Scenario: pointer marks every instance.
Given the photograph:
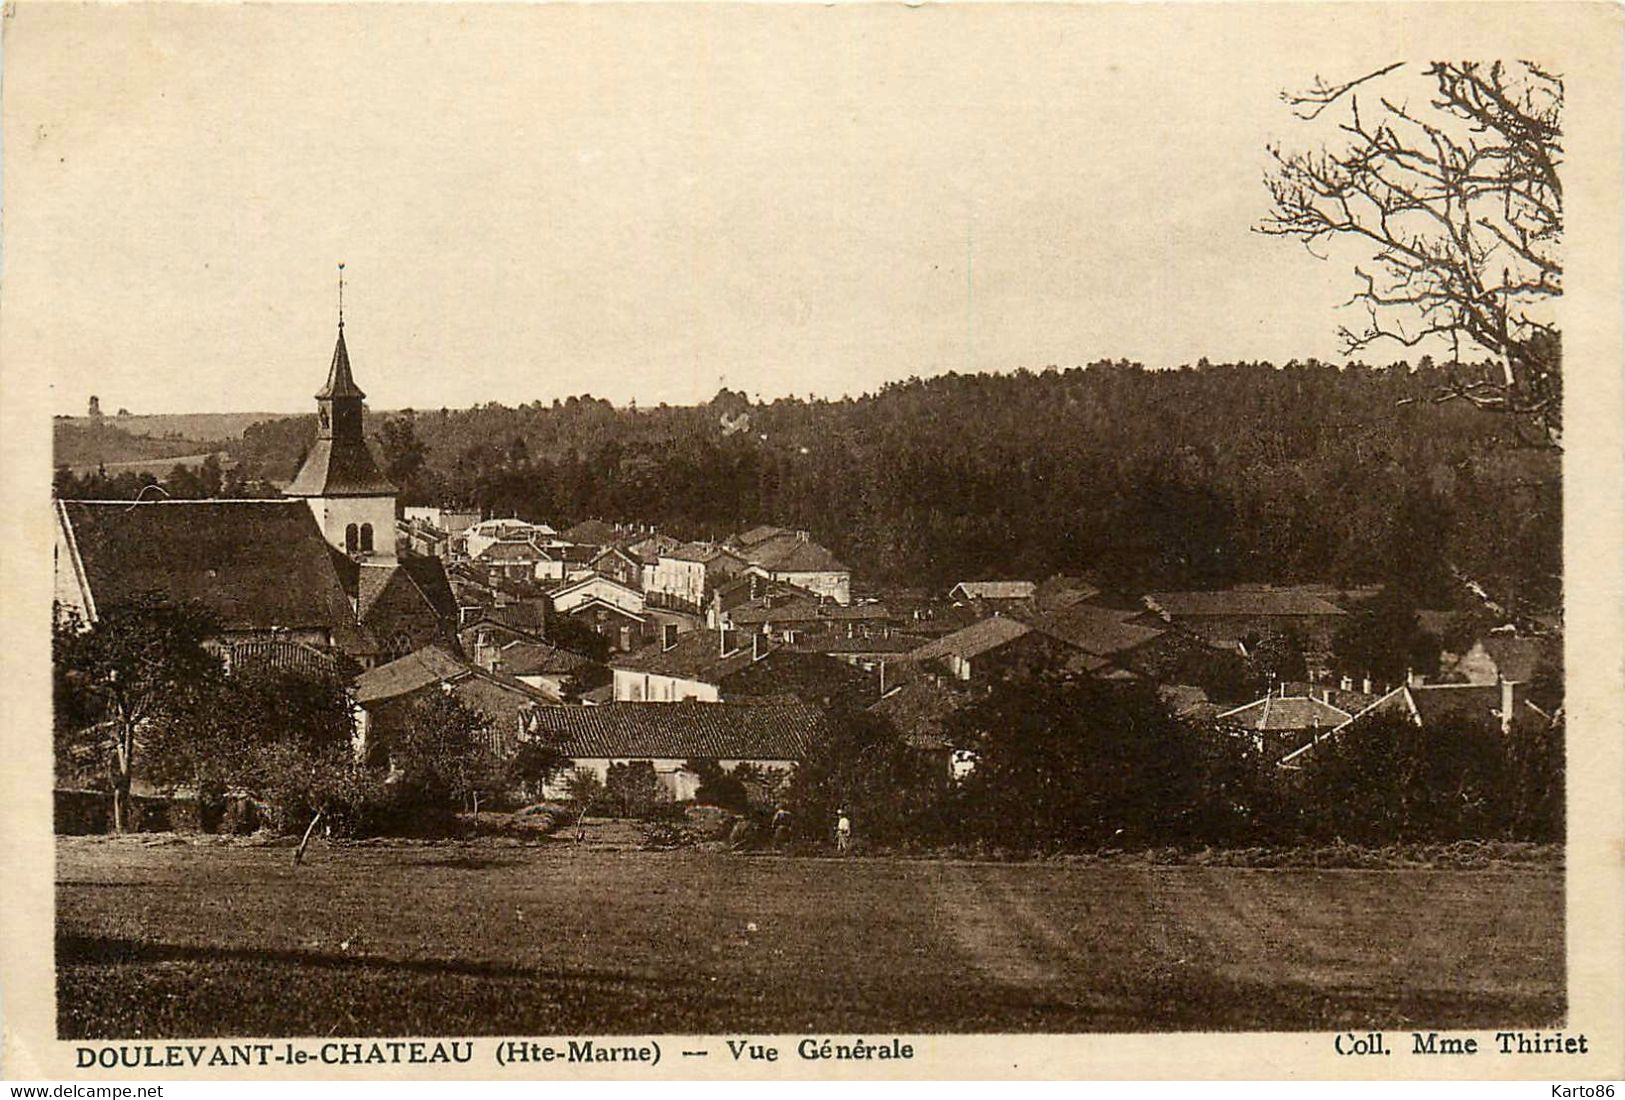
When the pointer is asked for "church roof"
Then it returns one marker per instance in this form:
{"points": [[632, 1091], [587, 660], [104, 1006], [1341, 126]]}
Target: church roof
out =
{"points": [[340, 468], [340, 383], [255, 565]]}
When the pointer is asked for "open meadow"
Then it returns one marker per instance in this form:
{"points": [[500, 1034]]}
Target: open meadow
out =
{"points": [[161, 937]]}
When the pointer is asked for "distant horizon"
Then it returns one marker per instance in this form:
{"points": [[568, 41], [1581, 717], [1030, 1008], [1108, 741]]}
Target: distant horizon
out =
{"points": [[648, 203], [110, 409]]}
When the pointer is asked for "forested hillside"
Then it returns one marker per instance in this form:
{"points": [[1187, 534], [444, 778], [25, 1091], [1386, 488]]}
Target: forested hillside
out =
{"points": [[1201, 476]]}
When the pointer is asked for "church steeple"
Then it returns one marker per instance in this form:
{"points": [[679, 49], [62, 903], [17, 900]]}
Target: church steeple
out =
{"points": [[338, 404], [339, 466]]}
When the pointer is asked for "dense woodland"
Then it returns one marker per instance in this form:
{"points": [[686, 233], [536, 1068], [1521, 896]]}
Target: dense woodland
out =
{"points": [[1204, 476]]}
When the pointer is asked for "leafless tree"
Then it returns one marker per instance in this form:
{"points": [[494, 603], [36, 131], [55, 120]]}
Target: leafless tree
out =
{"points": [[1459, 199]]}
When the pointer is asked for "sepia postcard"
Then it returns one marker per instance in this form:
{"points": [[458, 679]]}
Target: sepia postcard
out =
{"points": [[687, 541]]}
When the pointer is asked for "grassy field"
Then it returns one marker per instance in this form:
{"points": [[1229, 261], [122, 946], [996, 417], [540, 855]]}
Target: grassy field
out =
{"points": [[186, 939]]}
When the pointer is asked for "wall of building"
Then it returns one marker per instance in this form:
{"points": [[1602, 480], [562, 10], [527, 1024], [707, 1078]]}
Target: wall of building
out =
{"points": [[680, 578], [69, 590], [831, 585], [645, 687], [678, 783], [624, 598], [335, 514]]}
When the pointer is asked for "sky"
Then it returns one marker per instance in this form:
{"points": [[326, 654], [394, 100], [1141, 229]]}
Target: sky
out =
{"points": [[647, 203]]}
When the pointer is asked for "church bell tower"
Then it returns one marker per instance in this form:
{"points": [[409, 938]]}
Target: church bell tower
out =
{"points": [[353, 502]]}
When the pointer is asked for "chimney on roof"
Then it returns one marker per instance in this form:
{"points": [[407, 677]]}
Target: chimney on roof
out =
{"points": [[1365, 685], [802, 536], [668, 636], [1509, 703], [1346, 683], [758, 646]]}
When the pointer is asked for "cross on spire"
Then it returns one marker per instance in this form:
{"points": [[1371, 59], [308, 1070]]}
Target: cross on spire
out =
{"points": [[341, 295]]}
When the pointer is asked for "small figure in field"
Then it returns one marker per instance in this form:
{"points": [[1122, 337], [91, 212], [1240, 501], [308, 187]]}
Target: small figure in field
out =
{"points": [[781, 827], [843, 832]]}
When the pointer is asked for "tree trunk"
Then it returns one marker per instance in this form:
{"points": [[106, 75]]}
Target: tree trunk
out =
{"points": [[304, 842], [121, 803]]}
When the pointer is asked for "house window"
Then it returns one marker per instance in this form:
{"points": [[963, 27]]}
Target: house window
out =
{"points": [[350, 539], [366, 538]]}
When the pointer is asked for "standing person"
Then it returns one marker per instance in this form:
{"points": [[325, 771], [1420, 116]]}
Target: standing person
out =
{"points": [[781, 827], [843, 832]]}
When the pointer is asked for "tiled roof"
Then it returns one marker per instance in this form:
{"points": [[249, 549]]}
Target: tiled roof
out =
{"points": [[793, 555], [596, 581], [697, 655], [255, 565], [737, 590], [613, 552], [1478, 704], [1102, 631], [417, 670], [777, 729], [814, 677], [1432, 704], [526, 617], [1288, 713], [512, 550], [429, 574], [996, 590], [649, 548], [894, 644], [1250, 602], [760, 534], [283, 656], [593, 532], [692, 551], [920, 712], [521, 658], [433, 664], [1061, 591], [799, 610], [977, 638], [856, 612]]}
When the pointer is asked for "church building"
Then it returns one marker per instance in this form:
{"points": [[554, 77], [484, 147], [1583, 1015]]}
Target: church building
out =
{"points": [[317, 568]]}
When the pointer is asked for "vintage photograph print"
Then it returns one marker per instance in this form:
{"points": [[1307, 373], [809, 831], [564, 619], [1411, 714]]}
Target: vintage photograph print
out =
{"points": [[676, 520]]}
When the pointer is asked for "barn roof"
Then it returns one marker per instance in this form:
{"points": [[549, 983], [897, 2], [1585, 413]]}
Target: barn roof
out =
{"points": [[773, 729]]}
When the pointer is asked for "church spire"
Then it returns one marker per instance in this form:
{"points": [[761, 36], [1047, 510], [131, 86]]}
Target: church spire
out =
{"points": [[340, 383]]}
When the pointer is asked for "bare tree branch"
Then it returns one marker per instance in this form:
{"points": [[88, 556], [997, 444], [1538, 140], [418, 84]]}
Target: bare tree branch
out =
{"points": [[1462, 207]]}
